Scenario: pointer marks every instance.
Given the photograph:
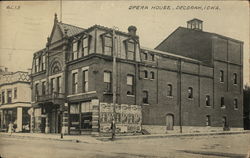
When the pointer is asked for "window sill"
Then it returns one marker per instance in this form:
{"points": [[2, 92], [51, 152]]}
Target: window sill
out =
{"points": [[128, 95], [170, 96], [107, 93], [223, 107], [208, 106], [146, 104], [236, 108]]}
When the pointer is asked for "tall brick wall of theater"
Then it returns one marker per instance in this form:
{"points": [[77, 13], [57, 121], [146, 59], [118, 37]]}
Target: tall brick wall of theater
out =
{"points": [[205, 80]]}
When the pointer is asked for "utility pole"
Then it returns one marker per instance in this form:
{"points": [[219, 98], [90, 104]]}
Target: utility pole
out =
{"points": [[179, 83], [113, 124]]}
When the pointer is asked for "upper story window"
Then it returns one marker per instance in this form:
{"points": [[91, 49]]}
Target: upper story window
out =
{"points": [[222, 102], [131, 51], [169, 90], [36, 64], [208, 120], [59, 84], [221, 76], [3, 97], [107, 81], [36, 89], [235, 103], [190, 92], [85, 46], [43, 87], [43, 62], [152, 57], [207, 100], [152, 75], [15, 93], [53, 85], [235, 78], [145, 73], [85, 77], [108, 45], [74, 82], [145, 55], [75, 49], [145, 97], [130, 84], [9, 96]]}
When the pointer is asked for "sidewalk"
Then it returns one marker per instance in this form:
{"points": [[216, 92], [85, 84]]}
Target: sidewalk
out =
{"points": [[90, 139], [73, 138]]}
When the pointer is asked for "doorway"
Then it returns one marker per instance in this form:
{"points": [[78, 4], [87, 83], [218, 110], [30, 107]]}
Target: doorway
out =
{"points": [[170, 121]]}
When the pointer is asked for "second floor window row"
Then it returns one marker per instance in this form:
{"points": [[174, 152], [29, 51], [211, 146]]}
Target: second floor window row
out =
{"points": [[40, 63], [80, 48]]}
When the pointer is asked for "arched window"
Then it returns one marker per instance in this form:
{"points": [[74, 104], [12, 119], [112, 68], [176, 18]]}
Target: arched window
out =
{"points": [[145, 73], [190, 92], [169, 90], [152, 75], [235, 78]]}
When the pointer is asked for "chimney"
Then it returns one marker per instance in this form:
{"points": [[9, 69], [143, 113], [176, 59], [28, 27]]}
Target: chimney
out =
{"points": [[6, 69], [132, 30], [195, 24]]}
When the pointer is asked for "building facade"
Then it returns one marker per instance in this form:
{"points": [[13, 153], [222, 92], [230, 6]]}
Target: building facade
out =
{"points": [[15, 100], [73, 78]]}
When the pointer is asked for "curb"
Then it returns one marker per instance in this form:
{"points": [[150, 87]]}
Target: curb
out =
{"points": [[172, 135], [44, 138]]}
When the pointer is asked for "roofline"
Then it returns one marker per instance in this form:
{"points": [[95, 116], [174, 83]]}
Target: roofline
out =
{"points": [[215, 34], [169, 54]]}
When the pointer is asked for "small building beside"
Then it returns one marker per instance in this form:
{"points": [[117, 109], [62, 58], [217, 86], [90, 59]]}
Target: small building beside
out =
{"points": [[15, 100]]}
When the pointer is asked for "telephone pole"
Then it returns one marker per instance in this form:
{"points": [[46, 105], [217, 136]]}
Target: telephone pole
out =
{"points": [[113, 124]]}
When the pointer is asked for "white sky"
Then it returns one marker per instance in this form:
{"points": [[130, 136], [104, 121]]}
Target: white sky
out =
{"points": [[24, 31]]}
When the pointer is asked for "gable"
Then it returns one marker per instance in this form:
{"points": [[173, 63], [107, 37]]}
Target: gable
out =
{"points": [[56, 34], [189, 43]]}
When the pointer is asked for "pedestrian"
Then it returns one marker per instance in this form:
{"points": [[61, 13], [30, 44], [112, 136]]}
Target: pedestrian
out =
{"points": [[10, 128], [113, 129]]}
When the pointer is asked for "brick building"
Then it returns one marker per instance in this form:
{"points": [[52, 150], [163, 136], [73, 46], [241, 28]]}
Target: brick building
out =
{"points": [[72, 84], [15, 100]]}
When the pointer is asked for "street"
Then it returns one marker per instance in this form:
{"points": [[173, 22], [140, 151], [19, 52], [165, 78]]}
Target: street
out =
{"points": [[233, 146]]}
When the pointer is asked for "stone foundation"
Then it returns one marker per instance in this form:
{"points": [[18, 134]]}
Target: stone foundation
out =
{"points": [[155, 129]]}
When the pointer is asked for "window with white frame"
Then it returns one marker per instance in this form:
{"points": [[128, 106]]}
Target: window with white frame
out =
{"points": [[130, 84], [59, 84], [107, 81], [85, 45], [75, 50], [131, 50], [43, 62], [9, 96], [108, 45], [85, 77], [43, 87], [74, 82]]}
